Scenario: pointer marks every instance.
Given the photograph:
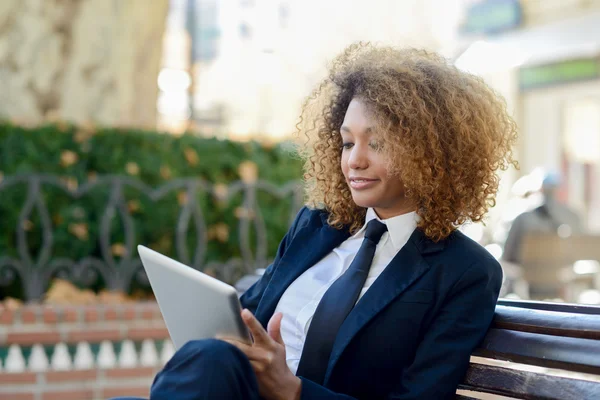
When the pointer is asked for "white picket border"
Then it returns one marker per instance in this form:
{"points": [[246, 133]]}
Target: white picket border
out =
{"points": [[84, 358], [61, 360], [148, 354], [15, 362], [38, 361]]}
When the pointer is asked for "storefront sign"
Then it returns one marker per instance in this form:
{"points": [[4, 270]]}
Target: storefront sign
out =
{"points": [[492, 16], [559, 73]]}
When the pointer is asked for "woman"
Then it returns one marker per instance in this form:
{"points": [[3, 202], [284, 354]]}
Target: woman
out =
{"points": [[374, 293]]}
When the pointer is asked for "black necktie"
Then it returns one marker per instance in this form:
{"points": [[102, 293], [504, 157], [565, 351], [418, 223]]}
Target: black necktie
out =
{"points": [[335, 305]]}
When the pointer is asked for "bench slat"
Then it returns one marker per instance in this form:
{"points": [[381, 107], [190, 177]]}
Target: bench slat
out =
{"points": [[572, 354], [527, 385], [547, 306], [547, 322], [463, 397]]}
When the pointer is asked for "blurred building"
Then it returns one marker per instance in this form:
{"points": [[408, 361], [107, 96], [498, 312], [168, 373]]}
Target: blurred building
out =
{"points": [[267, 55], [544, 57], [248, 65]]}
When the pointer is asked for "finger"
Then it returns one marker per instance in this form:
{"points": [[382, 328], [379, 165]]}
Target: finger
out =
{"points": [[258, 332], [274, 328]]}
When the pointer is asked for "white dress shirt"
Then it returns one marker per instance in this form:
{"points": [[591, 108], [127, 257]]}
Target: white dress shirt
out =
{"points": [[299, 302]]}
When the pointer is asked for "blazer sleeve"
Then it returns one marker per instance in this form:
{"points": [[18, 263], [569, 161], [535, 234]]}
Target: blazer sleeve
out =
{"points": [[442, 357], [252, 296]]}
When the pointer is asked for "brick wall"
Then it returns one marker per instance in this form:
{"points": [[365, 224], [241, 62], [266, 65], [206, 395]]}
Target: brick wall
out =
{"points": [[29, 325], [92, 384], [46, 326]]}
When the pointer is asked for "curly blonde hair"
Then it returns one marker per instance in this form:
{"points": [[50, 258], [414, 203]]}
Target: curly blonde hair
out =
{"points": [[444, 132]]}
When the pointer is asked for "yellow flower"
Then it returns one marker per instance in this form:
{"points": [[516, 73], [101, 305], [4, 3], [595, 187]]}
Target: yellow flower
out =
{"points": [[68, 158], [220, 190], [132, 168], [182, 198], [163, 245], [242, 212], [191, 156], [27, 225], [268, 143], [221, 232], [118, 249], [133, 206], [88, 127], [62, 126], [248, 171], [80, 231], [81, 136], [70, 182], [165, 172]]}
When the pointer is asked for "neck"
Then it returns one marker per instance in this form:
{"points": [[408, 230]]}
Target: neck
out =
{"points": [[384, 213]]}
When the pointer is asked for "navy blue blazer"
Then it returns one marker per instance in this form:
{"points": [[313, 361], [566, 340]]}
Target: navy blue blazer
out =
{"points": [[412, 333]]}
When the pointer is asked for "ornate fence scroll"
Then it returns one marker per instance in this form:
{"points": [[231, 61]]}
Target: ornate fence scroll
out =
{"points": [[37, 265]]}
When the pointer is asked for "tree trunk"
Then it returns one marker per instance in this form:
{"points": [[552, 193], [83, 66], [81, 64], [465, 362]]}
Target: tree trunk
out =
{"points": [[81, 60]]}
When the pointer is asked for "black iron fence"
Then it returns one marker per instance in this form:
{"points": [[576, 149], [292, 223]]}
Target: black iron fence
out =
{"points": [[36, 265]]}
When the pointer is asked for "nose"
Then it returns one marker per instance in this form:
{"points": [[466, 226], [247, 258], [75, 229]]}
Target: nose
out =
{"points": [[358, 157]]}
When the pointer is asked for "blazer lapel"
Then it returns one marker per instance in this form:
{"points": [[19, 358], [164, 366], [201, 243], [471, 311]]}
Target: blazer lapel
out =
{"points": [[404, 269], [308, 246]]}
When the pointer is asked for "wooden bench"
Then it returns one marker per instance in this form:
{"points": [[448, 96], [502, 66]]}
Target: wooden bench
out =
{"points": [[533, 337], [538, 336], [525, 341]]}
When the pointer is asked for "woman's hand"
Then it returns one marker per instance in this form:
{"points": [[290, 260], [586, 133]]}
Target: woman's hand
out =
{"points": [[267, 356]]}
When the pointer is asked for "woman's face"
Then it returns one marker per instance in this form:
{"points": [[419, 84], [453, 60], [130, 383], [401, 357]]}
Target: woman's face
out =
{"points": [[364, 166]]}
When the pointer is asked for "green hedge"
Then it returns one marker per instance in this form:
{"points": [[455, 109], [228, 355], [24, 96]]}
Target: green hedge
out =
{"points": [[78, 154]]}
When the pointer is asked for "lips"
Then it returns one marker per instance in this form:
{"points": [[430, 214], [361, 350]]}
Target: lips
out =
{"points": [[360, 183]]}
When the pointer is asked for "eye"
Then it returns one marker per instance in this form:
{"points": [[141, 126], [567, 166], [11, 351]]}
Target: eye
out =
{"points": [[377, 146], [347, 145]]}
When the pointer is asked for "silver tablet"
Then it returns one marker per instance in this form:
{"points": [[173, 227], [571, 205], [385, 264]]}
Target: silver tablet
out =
{"points": [[193, 304]]}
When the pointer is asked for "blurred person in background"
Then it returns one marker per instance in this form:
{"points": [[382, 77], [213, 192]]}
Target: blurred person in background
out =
{"points": [[551, 217], [374, 293]]}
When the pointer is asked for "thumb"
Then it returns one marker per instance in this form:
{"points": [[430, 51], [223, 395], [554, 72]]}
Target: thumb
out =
{"points": [[274, 328]]}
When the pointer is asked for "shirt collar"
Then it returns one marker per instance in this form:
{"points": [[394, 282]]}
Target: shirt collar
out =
{"points": [[399, 227]]}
